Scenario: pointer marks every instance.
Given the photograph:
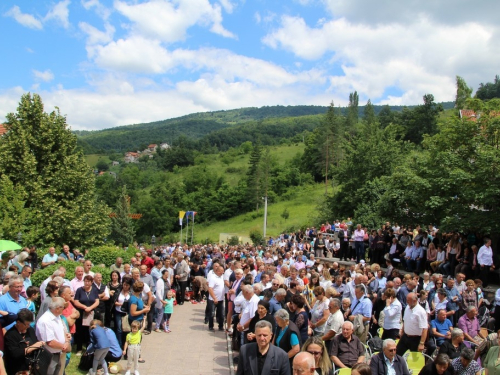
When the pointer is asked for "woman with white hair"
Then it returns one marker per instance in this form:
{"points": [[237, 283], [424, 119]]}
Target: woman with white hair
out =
{"points": [[287, 335], [454, 347]]}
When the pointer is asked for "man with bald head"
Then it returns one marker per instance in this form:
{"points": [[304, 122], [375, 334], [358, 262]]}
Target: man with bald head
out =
{"points": [[304, 364], [414, 331]]}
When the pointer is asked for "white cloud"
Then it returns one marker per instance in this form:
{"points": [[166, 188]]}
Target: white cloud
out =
{"points": [[420, 58], [45, 76], [96, 36], [449, 12], [227, 5], [135, 54], [24, 19], [100, 9], [59, 13], [168, 21], [140, 55], [257, 17]]}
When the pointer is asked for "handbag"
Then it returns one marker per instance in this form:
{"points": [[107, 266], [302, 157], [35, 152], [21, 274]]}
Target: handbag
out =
{"points": [[39, 360], [87, 318], [125, 324], [86, 361]]}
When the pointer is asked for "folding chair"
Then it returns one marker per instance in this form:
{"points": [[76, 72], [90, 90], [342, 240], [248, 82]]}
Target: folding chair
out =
{"points": [[368, 353], [380, 332], [343, 371], [415, 361]]}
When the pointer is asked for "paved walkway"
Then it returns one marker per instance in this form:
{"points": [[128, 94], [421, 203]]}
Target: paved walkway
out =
{"points": [[190, 349]]}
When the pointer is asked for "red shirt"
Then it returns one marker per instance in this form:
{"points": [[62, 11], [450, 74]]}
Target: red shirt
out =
{"points": [[67, 312], [149, 262]]}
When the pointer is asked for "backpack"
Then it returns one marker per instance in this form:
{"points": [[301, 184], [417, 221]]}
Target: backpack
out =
{"points": [[375, 344]]}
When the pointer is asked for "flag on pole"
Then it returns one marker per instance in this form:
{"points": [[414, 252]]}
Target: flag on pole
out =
{"points": [[191, 213], [181, 217]]}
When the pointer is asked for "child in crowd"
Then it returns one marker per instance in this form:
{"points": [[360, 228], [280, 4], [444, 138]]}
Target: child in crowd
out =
{"points": [[99, 345], [32, 293], [168, 311], [132, 346]]}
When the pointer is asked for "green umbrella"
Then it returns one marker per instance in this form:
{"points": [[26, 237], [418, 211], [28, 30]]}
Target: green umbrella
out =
{"points": [[6, 245]]}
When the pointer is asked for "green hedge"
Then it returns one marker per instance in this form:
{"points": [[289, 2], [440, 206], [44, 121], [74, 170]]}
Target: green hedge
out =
{"points": [[99, 255], [107, 255], [40, 275]]}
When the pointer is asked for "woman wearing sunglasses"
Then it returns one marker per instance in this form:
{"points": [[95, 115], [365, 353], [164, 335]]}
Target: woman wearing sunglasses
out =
{"points": [[315, 346]]}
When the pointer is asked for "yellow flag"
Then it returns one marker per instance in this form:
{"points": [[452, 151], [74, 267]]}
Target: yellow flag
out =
{"points": [[181, 216]]}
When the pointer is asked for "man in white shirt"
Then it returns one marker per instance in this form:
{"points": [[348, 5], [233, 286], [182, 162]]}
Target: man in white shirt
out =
{"points": [[50, 330], [334, 322], [249, 310], [485, 260], [86, 268], [415, 326], [216, 299]]}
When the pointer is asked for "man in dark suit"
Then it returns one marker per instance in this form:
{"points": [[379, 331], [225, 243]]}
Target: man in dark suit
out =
{"points": [[262, 358], [378, 363], [344, 236]]}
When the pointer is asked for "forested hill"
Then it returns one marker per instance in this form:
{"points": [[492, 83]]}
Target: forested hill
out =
{"points": [[221, 129]]}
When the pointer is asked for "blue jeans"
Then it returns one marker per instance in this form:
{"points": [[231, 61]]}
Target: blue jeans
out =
{"points": [[118, 328], [360, 250], [412, 263]]}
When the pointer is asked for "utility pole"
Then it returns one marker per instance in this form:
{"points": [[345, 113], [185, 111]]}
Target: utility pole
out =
{"points": [[326, 167], [265, 215]]}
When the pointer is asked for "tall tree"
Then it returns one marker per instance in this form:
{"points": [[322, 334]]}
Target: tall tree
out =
{"points": [[352, 111], [122, 228], [421, 120], [463, 93], [454, 182], [369, 113], [489, 90], [39, 154], [254, 177]]}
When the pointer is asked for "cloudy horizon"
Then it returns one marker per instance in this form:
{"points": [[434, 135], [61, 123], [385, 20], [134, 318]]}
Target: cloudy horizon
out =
{"points": [[107, 64]]}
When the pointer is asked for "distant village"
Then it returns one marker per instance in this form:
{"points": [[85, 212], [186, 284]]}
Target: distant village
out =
{"points": [[133, 157]]}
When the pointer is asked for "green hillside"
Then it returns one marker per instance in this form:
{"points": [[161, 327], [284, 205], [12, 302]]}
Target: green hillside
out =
{"points": [[220, 129], [302, 209]]}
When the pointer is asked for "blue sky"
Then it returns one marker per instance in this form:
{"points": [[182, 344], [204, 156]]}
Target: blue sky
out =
{"points": [[110, 63]]}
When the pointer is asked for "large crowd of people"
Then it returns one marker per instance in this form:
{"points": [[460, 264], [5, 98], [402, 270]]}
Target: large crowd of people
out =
{"points": [[286, 310]]}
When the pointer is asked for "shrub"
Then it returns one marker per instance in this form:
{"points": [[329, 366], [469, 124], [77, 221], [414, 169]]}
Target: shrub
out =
{"points": [[233, 241], [39, 276], [107, 255], [256, 237]]}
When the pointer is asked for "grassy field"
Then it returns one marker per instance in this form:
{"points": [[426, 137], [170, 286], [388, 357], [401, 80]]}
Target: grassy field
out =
{"points": [[219, 163], [302, 209], [92, 159]]}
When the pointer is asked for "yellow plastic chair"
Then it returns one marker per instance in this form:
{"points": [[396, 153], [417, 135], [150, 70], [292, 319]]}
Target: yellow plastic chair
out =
{"points": [[380, 332], [343, 371], [416, 361]]}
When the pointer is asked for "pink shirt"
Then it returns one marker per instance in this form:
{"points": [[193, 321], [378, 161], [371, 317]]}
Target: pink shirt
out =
{"points": [[75, 284]]}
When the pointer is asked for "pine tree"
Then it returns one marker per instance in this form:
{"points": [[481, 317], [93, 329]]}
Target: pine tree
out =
{"points": [[352, 111], [254, 177], [39, 155], [122, 229]]}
